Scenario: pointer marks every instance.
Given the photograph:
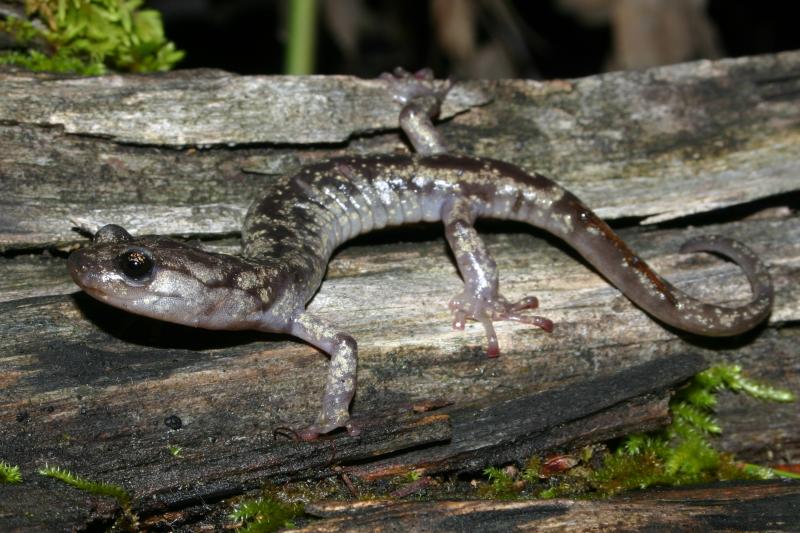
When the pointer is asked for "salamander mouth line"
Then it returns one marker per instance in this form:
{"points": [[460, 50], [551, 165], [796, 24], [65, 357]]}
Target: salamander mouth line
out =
{"points": [[96, 293]]}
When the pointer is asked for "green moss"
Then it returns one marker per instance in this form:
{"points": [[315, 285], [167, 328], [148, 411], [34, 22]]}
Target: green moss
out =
{"points": [[683, 453], [91, 36], [413, 475], [680, 454], [532, 470], [730, 377], [61, 61], [501, 484], [9, 474], [175, 450], [265, 514], [21, 31], [128, 520]]}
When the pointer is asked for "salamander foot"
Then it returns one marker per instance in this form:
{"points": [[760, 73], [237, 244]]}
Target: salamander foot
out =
{"points": [[466, 306], [406, 86], [314, 431], [422, 97]]}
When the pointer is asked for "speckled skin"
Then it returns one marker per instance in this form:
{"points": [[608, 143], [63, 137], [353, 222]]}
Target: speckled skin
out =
{"points": [[291, 232]]}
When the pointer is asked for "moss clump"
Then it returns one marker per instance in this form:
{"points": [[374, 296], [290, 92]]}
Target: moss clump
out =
{"points": [[680, 454], [9, 474], [502, 483], [90, 37], [264, 515]]}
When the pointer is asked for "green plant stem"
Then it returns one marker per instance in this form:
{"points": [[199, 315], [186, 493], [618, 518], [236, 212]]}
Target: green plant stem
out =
{"points": [[302, 37], [128, 520]]}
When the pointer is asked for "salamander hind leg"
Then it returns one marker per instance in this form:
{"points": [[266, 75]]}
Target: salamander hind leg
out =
{"points": [[341, 381], [481, 300]]}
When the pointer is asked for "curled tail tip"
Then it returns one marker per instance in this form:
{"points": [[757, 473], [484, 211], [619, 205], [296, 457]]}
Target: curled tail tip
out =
{"points": [[717, 243], [736, 251], [753, 267]]}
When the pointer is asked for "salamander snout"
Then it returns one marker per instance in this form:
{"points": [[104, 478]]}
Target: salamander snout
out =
{"points": [[87, 273], [78, 266]]}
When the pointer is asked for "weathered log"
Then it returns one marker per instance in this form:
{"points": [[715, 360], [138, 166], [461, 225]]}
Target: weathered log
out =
{"points": [[668, 142], [211, 107], [765, 506], [90, 388], [454, 439], [510, 430]]}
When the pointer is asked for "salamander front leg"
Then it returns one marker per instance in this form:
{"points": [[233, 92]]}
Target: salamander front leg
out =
{"points": [[422, 97], [480, 300], [341, 383]]}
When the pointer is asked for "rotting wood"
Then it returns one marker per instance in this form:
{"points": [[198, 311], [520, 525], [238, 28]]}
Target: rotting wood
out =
{"points": [[89, 388], [479, 435], [511, 429], [668, 142], [74, 365], [130, 384], [762, 506], [211, 107]]}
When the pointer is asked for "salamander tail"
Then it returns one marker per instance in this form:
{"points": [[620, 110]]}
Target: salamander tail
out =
{"points": [[726, 321]]}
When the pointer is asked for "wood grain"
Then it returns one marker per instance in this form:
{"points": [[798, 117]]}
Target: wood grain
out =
{"points": [[766, 506], [665, 142], [90, 388]]}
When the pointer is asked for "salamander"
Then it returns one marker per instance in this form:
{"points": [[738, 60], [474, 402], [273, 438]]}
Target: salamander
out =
{"points": [[291, 231]]}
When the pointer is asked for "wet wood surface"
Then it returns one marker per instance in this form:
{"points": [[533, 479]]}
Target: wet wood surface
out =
{"points": [[105, 393]]}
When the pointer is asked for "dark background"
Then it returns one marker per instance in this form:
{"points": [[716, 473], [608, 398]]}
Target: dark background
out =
{"points": [[538, 38]]}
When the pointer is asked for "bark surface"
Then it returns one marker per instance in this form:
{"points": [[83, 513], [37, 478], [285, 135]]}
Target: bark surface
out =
{"points": [[705, 147]]}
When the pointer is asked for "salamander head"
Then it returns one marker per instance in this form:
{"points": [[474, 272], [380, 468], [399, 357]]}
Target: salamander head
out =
{"points": [[169, 280]]}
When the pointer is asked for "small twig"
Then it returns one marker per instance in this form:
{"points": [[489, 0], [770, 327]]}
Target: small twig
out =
{"points": [[347, 481], [411, 488]]}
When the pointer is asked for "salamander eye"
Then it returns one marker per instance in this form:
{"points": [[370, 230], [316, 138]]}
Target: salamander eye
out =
{"points": [[136, 265]]}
